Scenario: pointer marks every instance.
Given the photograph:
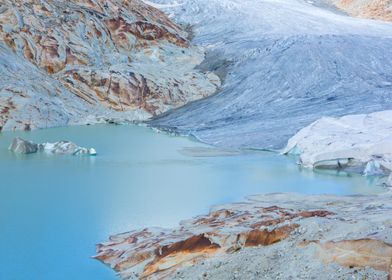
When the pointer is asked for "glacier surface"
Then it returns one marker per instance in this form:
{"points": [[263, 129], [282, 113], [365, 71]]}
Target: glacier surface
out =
{"points": [[285, 64]]}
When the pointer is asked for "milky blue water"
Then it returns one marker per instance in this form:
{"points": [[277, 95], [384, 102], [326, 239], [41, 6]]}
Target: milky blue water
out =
{"points": [[54, 209]]}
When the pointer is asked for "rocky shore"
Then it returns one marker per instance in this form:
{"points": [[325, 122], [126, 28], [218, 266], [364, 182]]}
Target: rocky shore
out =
{"points": [[276, 236]]}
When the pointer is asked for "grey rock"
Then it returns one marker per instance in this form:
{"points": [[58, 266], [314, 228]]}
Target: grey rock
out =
{"points": [[21, 146]]}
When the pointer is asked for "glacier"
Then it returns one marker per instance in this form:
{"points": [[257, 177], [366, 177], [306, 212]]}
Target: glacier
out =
{"points": [[284, 63]]}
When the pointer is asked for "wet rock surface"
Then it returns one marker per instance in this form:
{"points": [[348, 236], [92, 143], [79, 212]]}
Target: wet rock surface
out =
{"points": [[64, 61], [304, 237]]}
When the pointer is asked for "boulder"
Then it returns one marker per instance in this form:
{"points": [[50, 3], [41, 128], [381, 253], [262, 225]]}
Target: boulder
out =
{"points": [[22, 146]]}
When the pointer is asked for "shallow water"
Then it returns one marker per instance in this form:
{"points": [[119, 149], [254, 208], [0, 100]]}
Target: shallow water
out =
{"points": [[54, 209]]}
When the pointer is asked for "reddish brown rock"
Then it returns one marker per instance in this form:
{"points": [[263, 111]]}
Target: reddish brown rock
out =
{"points": [[119, 58], [357, 253], [373, 9], [157, 253]]}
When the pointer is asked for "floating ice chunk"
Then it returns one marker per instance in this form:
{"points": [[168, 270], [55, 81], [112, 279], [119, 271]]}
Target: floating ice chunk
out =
{"points": [[92, 152], [19, 145], [373, 168]]}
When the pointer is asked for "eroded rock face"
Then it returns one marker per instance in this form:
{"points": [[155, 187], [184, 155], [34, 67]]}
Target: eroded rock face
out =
{"points": [[157, 253], [305, 237], [115, 56], [374, 9]]}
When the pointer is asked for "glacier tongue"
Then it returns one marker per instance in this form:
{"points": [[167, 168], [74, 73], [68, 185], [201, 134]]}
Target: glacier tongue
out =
{"points": [[363, 142], [286, 64]]}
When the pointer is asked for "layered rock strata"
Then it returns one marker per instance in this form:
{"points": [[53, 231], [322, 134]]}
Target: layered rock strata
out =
{"points": [[64, 61], [320, 233]]}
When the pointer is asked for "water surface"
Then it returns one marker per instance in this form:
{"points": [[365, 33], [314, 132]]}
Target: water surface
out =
{"points": [[54, 209]]}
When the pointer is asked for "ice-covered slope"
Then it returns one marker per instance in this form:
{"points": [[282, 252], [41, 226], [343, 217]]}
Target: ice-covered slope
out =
{"points": [[287, 62]]}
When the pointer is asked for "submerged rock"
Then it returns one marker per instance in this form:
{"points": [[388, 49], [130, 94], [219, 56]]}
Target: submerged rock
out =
{"points": [[360, 142], [22, 146]]}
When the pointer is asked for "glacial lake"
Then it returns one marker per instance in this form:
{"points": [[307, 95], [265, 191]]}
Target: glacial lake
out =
{"points": [[54, 209]]}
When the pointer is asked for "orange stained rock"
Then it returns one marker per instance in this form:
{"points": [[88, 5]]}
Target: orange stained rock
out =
{"points": [[377, 9], [161, 252], [358, 253]]}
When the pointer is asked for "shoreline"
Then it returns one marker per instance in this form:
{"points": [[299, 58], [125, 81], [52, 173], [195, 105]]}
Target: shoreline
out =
{"points": [[338, 236]]}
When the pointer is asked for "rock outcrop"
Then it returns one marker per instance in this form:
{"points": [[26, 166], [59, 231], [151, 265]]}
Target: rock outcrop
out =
{"points": [[361, 143], [161, 252], [68, 60], [373, 9], [21, 146], [326, 237]]}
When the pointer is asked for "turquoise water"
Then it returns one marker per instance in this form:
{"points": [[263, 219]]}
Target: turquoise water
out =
{"points": [[54, 209]]}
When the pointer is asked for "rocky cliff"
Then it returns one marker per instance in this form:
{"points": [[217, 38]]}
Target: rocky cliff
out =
{"points": [[74, 61]]}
